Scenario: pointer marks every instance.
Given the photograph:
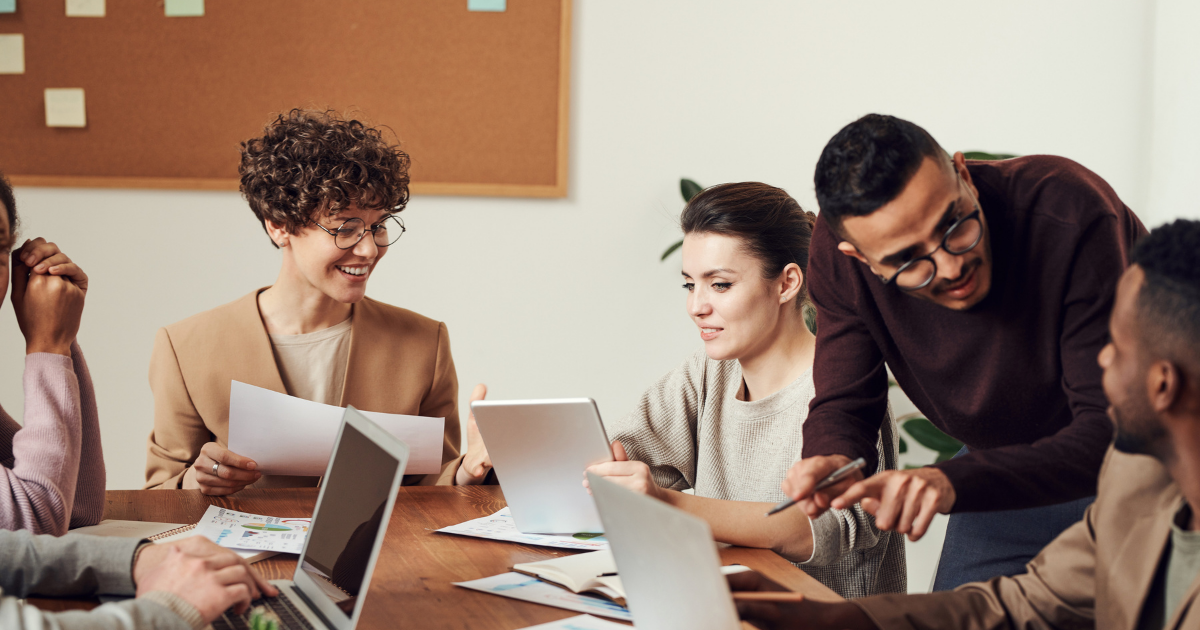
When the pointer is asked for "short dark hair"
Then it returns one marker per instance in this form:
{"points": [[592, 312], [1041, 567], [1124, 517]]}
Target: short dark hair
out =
{"points": [[868, 163], [773, 226], [1169, 300], [316, 161], [10, 204]]}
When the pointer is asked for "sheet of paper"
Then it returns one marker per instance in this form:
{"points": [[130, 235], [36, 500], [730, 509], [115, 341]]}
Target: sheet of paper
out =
{"points": [[253, 532], [286, 435], [530, 589], [12, 54], [85, 8], [582, 622], [8, 6], [184, 8], [126, 529], [65, 108], [486, 5], [500, 526]]}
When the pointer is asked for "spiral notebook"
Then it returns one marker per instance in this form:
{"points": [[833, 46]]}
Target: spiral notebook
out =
{"points": [[158, 533]]}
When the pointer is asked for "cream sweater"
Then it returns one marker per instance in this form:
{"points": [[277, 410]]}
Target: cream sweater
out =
{"points": [[694, 433]]}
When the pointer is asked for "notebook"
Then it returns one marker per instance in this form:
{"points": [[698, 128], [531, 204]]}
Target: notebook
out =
{"points": [[593, 572]]}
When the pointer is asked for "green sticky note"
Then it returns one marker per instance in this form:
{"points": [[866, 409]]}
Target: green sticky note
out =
{"points": [[184, 8], [8, 6], [486, 5]]}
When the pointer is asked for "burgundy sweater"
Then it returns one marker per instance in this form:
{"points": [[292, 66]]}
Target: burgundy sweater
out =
{"points": [[1015, 377]]}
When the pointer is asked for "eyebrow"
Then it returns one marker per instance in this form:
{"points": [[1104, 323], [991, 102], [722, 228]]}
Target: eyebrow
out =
{"points": [[896, 259], [711, 272]]}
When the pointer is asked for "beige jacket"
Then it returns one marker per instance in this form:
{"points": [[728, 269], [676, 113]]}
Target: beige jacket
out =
{"points": [[399, 363], [1097, 574]]}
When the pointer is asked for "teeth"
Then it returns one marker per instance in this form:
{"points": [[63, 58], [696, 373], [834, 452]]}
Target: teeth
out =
{"points": [[709, 330], [354, 271]]}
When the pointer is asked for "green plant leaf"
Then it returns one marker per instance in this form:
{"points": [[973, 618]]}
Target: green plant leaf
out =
{"points": [[671, 250], [689, 189], [903, 446], [984, 155], [932, 438]]}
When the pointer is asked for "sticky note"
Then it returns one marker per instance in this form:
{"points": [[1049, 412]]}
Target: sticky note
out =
{"points": [[184, 8], [85, 8], [486, 5], [12, 54], [64, 107], [8, 6]]}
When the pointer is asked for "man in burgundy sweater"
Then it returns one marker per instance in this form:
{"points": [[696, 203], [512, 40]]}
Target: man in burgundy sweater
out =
{"points": [[986, 288]]}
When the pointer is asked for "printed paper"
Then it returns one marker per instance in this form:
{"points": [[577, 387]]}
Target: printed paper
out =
{"points": [[530, 589], [582, 622], [253, 532], [501, 526]]}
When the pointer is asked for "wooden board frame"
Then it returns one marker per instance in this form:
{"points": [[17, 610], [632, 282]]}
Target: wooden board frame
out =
{"points": [[558, 189]]}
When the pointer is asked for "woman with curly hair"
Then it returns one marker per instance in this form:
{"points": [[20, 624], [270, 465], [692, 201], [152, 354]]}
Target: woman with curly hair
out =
{"points": [[327, 192]]}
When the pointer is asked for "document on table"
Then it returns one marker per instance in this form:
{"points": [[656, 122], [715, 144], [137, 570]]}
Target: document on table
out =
{"points": [[582, 622], [252, 532], [523, 587], [286, 435], [500, 526]]}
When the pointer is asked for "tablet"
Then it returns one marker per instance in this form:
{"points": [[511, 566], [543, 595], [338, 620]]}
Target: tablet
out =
{"points": [[540, 449]]}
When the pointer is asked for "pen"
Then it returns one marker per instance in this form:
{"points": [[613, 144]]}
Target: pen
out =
{"points": [[609, 574], [833, 478]]}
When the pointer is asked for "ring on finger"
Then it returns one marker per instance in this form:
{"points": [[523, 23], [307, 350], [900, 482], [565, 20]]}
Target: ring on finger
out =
{"points": [[216, 466]]}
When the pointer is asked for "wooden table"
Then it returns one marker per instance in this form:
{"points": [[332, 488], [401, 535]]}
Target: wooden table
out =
{"points": [[412, 585]]}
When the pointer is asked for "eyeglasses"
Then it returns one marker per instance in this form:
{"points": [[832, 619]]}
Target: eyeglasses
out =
{"points": [[352, 230], [961, 237]]}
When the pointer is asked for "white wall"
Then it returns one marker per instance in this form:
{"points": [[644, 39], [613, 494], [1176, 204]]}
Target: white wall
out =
{"points": [[567, 297]]}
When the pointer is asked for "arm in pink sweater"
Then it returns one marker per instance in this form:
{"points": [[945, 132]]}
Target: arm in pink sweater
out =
{"points": [[90, 485]]}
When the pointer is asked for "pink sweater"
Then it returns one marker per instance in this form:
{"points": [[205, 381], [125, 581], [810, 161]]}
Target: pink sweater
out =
{"points": [[52, 470]]}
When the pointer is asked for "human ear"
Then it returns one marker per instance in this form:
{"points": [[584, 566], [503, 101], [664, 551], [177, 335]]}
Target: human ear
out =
{"points": [[792, 279], [848, 248], [1163, 385], [959, 163], [277, 232]]}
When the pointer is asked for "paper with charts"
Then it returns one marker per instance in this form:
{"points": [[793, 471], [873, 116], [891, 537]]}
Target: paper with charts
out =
{"points": [[239, 530], [582, 622], [531, 589], [500, 526], [286, 435]]}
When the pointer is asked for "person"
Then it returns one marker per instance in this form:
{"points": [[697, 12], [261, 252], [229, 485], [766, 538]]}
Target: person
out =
{"points": [[327, 191], [52, 469], [182, 585], [1132, 562], [727, 422], [985, 287]]}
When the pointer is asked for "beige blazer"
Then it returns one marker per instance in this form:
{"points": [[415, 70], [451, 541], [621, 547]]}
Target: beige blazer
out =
{"points": [[1096, 574], [399, 363]]}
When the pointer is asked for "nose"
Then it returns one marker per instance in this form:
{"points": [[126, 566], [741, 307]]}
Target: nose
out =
{"points": [[697, 302], [1106, 355], [949, 266], [366, 246]]}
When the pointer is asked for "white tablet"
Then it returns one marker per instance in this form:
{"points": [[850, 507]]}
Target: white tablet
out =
{"points": [[540, 449]]}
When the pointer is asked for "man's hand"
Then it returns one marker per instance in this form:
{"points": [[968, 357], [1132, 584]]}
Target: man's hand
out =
{"points": [[804, 476], [631, 475], [209, 577], [476, 462], [803, 613], [48, 295], [234, 472], [902, 500]]}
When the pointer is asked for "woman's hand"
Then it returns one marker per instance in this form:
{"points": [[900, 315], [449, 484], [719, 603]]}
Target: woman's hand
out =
{"points": [[233, 472], [48, 295], [476, 462], [631, 475]]}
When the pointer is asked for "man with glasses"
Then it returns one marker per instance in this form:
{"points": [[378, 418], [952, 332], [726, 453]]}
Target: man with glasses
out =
{"points": [[986, 288]]}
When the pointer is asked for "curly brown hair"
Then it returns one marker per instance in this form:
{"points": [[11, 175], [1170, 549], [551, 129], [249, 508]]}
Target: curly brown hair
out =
{"points": [[309, 162]]}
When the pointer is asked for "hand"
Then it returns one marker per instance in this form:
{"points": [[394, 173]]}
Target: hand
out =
{"points": [[210, 578], [631, 475], [804, 476], [902, 500], [48, 295], [476, 462], [234, 472], [802, 613]]}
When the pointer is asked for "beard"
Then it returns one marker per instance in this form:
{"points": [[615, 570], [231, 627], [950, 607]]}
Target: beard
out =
{"points": [[1137, 434]]}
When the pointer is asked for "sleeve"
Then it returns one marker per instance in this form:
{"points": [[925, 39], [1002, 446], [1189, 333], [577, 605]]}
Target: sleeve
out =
{"points": [[179, 432], [661, 431], [88, 508], [37, 491], [848, 370], [136, 614], [442, 402]]}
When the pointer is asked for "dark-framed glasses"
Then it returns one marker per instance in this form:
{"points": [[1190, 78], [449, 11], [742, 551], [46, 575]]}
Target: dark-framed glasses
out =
{"points": [[352, 230], [961, 237]]}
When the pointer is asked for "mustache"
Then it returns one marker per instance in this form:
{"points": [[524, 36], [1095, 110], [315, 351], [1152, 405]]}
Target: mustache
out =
{"points": [[941, 287]]}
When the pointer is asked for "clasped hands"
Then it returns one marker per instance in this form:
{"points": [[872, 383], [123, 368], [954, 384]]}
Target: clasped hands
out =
{"points": [[48, 292]]}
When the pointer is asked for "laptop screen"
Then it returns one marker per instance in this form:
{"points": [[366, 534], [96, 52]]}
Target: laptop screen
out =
{"points": [[347, 521]]}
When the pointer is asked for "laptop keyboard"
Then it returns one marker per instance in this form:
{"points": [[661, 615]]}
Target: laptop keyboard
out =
{"points": [[290, 618]]}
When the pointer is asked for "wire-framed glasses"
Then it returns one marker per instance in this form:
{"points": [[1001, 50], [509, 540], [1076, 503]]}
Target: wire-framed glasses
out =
{"points": [[961, 237], [352, 230]]}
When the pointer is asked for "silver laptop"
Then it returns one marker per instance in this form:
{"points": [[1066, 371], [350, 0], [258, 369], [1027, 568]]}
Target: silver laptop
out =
{"points": [[349, 522], [667, 561], [540, 449]]}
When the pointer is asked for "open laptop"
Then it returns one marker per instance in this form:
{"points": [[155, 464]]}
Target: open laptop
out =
{"points": [[539, 449], [351, 516], [667, 561]]}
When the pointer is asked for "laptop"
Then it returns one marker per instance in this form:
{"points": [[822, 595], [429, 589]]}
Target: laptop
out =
{"points": [[349, 522], [539, 449], [667, 561]]}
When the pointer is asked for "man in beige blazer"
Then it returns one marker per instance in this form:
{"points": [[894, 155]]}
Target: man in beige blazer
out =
{"points": [[1132, 562]]}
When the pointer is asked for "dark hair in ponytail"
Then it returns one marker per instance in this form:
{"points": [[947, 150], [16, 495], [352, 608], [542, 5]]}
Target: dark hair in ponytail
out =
{"points": [[10, 204], [774, 227]]}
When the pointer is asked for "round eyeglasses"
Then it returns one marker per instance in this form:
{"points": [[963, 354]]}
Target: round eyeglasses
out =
{"points": [[961, 237], [352, 230]]}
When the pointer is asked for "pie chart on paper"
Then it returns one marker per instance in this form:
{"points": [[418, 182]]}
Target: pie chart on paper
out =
{"points": [[267, 527]]}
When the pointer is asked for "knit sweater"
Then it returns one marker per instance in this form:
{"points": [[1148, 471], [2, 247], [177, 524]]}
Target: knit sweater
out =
{"points": [[52, 470], [693, 432]]}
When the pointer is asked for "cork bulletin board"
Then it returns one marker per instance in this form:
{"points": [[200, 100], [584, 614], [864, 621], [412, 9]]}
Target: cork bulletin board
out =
{"points": [[478, 99]]}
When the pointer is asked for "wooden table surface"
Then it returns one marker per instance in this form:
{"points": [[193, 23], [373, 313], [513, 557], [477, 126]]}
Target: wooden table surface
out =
{"points": [[413, 578]]}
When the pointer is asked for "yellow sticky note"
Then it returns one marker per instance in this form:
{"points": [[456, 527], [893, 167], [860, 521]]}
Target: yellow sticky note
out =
{"points": [[64, 107], [85, 8], [12, 54], [184, 8]]}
